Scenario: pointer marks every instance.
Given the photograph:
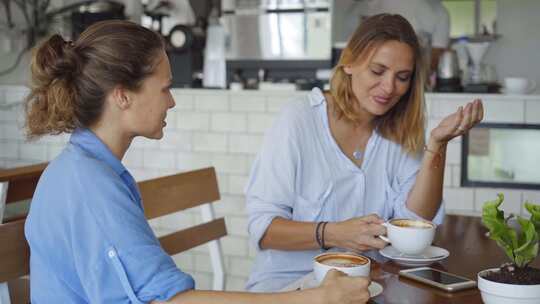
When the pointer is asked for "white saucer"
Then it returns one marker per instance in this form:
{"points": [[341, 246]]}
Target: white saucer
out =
{"points": [[309, 281], [431, 255]]}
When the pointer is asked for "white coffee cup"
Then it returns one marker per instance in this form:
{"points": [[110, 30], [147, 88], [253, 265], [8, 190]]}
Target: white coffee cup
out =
{"points": [[518, 85], [409, 236], [348, 262]]}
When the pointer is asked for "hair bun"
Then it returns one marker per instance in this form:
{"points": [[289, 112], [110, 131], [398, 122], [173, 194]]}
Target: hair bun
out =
{"points": [[55, 59]]}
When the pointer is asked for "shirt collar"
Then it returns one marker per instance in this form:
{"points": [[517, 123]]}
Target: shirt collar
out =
{"points": [[91, 144], [316, 97]]}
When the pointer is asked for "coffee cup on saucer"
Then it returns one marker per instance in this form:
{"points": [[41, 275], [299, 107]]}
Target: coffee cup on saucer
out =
{"points": [[518, 85], [350, 263], [411, 237]]}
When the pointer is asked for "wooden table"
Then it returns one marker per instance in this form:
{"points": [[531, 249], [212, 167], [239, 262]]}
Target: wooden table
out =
{"points": [[470, 251]]}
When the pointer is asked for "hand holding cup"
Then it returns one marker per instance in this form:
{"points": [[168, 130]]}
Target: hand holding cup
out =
{"points": [[356, 234], [339, 288], [409, 236]]}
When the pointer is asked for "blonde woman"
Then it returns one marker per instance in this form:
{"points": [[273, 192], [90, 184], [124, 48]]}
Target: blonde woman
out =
{"points": [[89, 239], [336, 164]]}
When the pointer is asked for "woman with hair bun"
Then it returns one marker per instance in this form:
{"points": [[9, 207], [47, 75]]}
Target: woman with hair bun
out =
{"points": [[337, 164], [88, 236]]}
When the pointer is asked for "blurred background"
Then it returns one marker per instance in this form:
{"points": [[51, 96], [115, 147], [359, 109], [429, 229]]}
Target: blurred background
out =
{"points": [[282, 42]]}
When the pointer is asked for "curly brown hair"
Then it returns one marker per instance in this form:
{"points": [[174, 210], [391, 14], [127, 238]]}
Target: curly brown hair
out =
{"points": [[70, 80], [404, 123]]}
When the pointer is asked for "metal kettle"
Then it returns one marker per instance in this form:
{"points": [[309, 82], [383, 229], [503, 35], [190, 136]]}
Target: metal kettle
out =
{"points": [[448, 67]]}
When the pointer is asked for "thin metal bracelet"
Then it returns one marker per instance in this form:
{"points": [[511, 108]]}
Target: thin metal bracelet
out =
{"points": [[437, 157]]}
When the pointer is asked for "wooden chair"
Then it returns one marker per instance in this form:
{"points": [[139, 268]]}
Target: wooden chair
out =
{"points": [[165, 195], [14, 263], [16, 184], [161, 196]]}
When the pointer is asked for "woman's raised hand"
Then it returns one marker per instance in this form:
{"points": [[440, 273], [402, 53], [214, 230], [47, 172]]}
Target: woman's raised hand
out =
{"points": [[459, 122], [356, 234], [339, 288]]}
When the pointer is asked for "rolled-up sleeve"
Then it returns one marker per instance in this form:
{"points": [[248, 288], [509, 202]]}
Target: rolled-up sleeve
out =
{"points": [[154, 273], [270, 188], [402, 185], [116, 254]]}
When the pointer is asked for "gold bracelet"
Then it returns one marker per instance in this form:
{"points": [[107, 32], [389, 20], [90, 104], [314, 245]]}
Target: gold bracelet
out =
{"points": [[437, 158]]}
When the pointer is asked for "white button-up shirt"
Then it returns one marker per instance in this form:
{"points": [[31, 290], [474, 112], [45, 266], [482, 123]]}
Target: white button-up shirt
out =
{"points": [[301, 174]]}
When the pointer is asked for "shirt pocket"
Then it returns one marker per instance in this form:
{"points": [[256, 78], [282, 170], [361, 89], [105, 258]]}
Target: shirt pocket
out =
{"points": [[386, 206], [396, 195], [310, 209], [392, 191]]}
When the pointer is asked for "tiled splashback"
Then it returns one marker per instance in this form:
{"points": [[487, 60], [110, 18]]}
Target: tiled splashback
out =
{"points": [[225, 129]]}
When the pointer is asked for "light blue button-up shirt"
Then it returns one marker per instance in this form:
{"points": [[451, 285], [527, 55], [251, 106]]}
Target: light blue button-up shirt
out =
{"points": [[301, 174], [89, 239]]}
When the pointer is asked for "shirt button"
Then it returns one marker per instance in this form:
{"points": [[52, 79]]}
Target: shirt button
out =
{"points": [[112, 253]]}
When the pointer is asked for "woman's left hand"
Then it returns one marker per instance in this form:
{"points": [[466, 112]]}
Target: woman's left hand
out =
{"points": [[459, 122]]}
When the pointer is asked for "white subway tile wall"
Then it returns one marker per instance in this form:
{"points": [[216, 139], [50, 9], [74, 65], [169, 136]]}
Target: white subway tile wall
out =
{"points": [[460, 200], [512, 199], [225, 130], [259, 123], [532, 111], [249, 104], [229, 122], [191, 120]]}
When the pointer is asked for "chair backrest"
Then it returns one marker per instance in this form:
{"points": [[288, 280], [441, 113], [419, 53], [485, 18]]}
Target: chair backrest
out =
{"points": [[16, 185], [20, 183], [160, 196], [14, 264], [14, 251], [165, 195]]}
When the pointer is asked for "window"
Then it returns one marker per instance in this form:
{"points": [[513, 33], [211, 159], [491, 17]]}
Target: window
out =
{"points": [[463, 20], [501, 156]]}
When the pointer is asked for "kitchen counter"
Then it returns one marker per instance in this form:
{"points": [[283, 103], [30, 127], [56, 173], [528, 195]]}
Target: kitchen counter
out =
{"points": [[10, 94]]}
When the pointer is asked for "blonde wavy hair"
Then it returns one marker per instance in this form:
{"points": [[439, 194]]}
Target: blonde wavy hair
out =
{"points": [[405, 122]]}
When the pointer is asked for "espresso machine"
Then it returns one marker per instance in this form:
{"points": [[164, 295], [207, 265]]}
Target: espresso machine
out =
{"points": [[185, 51], [85, 13], [185, 38]]}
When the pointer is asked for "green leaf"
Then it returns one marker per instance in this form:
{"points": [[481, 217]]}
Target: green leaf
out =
{"points": [[534, 210], [527, 249], [522, 248], [493, 219], [491, 215]]}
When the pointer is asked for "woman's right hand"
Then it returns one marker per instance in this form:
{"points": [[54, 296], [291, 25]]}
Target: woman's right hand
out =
{"points": [[356, 234], [339, 288]]}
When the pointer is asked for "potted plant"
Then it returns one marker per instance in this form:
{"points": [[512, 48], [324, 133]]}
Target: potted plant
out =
{"points": [[514, 282]]}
